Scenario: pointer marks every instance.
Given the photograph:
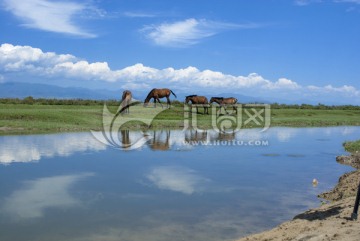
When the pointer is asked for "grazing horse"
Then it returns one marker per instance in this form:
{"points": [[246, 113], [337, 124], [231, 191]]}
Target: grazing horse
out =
{"points": [[157, 94], [198, 101], [125, 101], [223, 102]]}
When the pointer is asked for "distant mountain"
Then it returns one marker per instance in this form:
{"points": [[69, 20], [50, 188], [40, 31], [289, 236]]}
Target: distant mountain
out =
{"points": [[244, 99], [22, 90]]}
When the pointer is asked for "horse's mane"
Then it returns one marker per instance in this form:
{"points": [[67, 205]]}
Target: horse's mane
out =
{"points": [[220, 98], [150, 93], [190, 96]]}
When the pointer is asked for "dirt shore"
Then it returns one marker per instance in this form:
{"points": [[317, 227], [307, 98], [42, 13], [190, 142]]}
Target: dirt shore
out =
{"points": [[328, 222]]}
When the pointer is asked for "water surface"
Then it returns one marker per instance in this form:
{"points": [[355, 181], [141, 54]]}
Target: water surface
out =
{"points": [[177, 186]]}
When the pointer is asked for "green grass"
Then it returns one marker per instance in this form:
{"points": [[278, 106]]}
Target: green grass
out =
{"points": [[21, 118], [24, 118], [352, 146], [311, 117]]}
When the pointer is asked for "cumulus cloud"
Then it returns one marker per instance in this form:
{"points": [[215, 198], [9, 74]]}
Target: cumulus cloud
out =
{"points": [[53, 16], [187, 32], [20, 58], [29, 61], [346, 89], [283, 83]]}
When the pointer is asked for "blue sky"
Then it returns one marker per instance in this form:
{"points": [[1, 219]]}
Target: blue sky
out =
{"points": [[286, 50]]}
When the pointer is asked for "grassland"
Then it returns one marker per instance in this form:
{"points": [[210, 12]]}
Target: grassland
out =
{"points": [[44, 118]]}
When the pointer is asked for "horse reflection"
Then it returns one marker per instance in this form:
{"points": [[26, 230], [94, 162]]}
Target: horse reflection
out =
{"points": [[195, 135], [223, 136], [160, 140], [125, 138]]}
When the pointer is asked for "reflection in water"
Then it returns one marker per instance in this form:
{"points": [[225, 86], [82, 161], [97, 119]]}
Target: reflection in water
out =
{"points": [[35, 196], [206, 193], [160, 140], [222, 136], [33, 148], [125, 138], [177, 179], [195, 135]]}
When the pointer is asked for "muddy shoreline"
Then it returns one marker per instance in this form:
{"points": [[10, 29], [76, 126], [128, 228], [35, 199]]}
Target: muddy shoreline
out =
{"points": [[328, 222]]}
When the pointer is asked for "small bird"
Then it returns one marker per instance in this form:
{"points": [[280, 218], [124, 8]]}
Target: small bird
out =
{"points": [[315, 182]]}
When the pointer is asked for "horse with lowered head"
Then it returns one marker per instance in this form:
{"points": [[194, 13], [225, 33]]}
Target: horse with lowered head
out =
{"points": [[157, 94], [198, 101], [224, 102]]}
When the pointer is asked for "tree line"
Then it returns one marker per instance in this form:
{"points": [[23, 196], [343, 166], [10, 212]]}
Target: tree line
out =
{"points": [[87, 102]]}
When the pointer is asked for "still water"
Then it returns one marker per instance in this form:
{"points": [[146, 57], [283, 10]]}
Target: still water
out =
{"points": [[177, 186]]}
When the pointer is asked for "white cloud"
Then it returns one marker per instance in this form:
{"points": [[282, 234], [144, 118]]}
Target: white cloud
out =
{"points": [[49, 15], [139, 15], [29, 61], [187, 32], [347, 90], [305, 2], [283, 83], [20, 58], [36, 196]]}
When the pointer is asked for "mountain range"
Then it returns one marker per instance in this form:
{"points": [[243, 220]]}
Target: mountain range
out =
{"points": [[22, 90]]}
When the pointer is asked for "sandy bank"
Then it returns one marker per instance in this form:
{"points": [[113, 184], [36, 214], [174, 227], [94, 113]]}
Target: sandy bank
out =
{"points": [[328, 222]]}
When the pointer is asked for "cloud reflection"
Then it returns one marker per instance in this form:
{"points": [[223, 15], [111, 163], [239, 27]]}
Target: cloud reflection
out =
{"points": [[177, 179], [36, 196], [33, 148]]}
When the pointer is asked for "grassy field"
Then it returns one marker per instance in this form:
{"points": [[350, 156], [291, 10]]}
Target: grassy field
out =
{"points": [[27, 118]]}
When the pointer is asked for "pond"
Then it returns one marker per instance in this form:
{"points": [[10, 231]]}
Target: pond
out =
{"points": [[176, 185]]}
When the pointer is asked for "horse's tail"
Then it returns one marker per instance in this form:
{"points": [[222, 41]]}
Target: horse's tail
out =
{"points": [[173, 93]]}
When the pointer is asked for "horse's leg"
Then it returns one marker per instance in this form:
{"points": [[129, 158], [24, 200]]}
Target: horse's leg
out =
{"points": [[225, 110], [235, 108], [168, 101], [219, 111], [159, 102]]}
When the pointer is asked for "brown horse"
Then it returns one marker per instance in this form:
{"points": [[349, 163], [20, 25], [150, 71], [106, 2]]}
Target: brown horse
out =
{"points": [[224, 102], [125, 101], [157, 94], [198, 101]]}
